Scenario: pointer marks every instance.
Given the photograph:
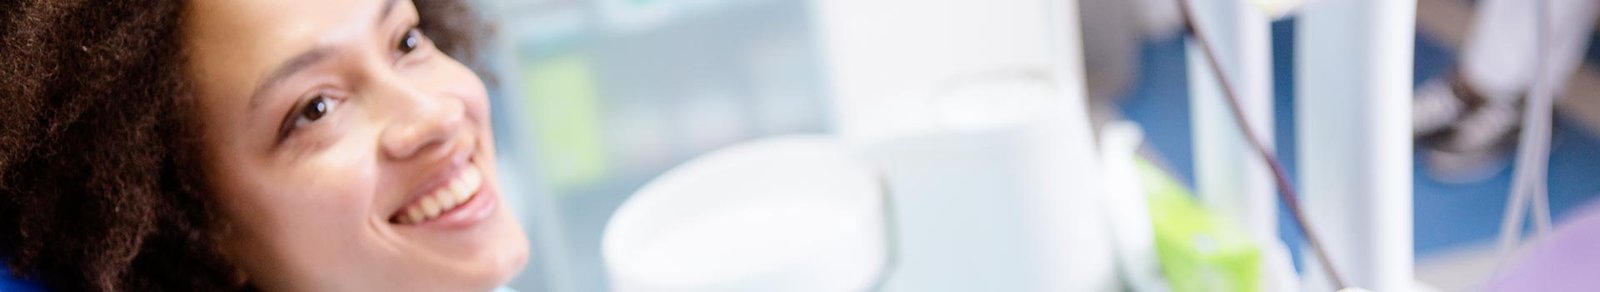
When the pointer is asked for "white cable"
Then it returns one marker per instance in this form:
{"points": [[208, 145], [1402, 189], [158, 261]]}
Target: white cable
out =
{"points": [[1530, 183]]}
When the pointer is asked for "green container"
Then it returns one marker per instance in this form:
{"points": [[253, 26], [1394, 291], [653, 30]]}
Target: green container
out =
{"points": [[1198, 250]]}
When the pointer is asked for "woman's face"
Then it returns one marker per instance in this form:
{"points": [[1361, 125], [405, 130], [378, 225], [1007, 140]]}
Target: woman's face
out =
{"points": [[347, 152]]}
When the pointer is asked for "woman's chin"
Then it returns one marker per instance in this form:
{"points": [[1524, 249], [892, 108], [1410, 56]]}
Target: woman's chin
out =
{"points": [[507, 251], [485, 255], [501, 256], [493, 263], [514, 253]]}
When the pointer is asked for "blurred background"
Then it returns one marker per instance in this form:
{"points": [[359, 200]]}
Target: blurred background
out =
{"points": [[593, 99]]}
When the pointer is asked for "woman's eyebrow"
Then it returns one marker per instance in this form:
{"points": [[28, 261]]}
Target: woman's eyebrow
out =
{"points": [[303, 60], [288, 68], [388, 6]]}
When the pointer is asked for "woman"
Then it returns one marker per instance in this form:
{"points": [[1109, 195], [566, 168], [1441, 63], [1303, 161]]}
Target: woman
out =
{"points": [[278, 145]]}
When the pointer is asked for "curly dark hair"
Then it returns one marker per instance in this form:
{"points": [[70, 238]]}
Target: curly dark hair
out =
{"points": [[100, 183]]}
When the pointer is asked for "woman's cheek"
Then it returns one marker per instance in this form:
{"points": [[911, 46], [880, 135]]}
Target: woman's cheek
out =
{"points": [[338, 192]]}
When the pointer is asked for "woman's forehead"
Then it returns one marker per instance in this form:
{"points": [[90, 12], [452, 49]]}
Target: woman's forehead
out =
{"points": [[239, 40], [235, 46]]}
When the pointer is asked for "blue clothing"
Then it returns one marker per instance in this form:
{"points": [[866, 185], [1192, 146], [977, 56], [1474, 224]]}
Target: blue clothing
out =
{"points": [[11, 284]]}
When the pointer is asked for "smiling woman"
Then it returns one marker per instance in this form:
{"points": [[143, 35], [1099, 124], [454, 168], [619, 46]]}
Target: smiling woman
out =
{"points": [[249, 145]]}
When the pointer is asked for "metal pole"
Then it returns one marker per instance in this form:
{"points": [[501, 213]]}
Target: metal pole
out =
{"points": [[1353, 118]]}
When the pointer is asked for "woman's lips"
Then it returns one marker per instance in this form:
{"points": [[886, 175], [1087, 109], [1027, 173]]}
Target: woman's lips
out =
{"points": [[447, 198]]}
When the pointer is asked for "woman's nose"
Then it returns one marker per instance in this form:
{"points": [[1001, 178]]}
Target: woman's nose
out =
{"points": [[420, 124]]}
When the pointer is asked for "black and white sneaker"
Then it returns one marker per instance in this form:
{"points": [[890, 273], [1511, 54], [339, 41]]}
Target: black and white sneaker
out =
{"points": [[1440, 103], [1478, 145]]}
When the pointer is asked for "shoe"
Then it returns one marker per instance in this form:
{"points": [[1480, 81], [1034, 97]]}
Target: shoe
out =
{"points": [[1477, 146], [1440, 103]]}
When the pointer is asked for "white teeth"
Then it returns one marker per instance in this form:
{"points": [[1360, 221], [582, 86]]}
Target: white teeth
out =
{"points": [[429, 207], [452, 194], [458, 188], [414, 215], [446, 201], [474, 180]]}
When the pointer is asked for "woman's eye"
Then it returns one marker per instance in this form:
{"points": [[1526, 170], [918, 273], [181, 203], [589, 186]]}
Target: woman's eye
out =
{"points": [[410, 42], [314, 110]]}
